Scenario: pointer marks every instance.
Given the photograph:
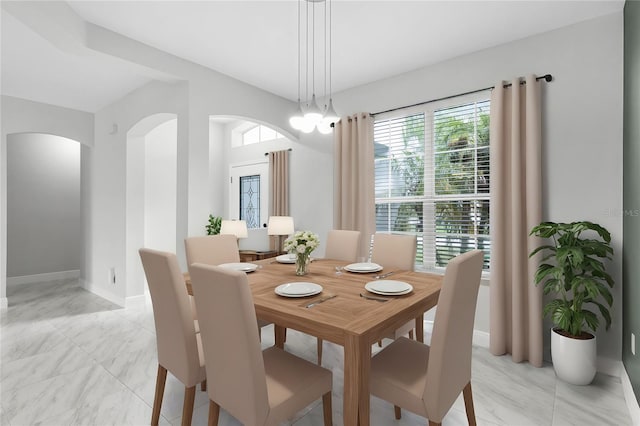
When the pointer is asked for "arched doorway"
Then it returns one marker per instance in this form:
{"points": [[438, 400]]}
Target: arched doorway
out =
{"points": [[151, 192], [44, 219], [238, 146]]}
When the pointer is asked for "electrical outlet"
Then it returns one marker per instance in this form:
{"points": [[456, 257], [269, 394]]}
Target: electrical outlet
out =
{"points": [[633, 343]]}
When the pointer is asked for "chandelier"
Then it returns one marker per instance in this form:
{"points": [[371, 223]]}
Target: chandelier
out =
{"points": [[312, 116]]}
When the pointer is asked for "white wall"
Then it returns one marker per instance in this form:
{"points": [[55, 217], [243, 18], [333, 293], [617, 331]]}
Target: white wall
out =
{"points": [[193, 103], [160, 187], [117, 210], [582, 120], [22, 116], [43, 204]]}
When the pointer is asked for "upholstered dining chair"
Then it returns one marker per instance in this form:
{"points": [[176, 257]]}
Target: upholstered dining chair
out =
{"points": [[395, 251], [213, 250], [254, 386], [179, 346], [342, 245], [426, 380]]}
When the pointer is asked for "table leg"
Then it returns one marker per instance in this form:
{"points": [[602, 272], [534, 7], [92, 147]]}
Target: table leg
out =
{"points": [[281, 334], [357, 365], [420, 328]]}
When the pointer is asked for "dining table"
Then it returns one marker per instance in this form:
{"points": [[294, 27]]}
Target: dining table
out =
{"points": [[340, 314]]}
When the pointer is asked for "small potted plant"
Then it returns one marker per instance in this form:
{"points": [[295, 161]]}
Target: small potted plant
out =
{"points": [[213, 227], [571, 268]]}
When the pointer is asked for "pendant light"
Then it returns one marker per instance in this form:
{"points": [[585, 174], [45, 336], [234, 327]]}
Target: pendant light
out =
{"points": [[313, 116]]}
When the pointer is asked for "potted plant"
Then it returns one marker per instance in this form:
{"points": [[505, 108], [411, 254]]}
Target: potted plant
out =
{"points": [[571, 268], [215, 222]]}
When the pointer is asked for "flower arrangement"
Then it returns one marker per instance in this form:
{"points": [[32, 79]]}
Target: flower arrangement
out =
{"points": [[302, 243]]}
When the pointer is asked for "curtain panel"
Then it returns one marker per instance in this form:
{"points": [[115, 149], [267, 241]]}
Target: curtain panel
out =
{"points": [[354, 203], [278, 191], [516, 207]]}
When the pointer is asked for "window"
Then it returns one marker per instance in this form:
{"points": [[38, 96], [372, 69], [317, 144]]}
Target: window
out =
{"points": [[259, 133], [250, 200], [249, 192], [432, 178]]}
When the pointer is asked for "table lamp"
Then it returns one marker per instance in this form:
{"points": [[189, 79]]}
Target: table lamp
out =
{"points": [[278, 226], [234, 227]]}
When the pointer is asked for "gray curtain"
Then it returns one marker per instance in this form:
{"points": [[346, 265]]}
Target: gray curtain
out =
{"points": [[354, 203], [516, 207], [278, 191]]}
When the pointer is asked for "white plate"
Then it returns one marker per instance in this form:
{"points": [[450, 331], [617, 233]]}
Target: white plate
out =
{"points": [[298, 289], [286, 258], [241, 266], [363, 267], [388, 287]]}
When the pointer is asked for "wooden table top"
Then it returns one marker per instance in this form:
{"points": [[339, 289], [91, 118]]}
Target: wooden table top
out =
{"points": [[345, 313]]}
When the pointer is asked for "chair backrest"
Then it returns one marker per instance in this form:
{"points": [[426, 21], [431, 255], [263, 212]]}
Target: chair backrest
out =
{"points": [[175, 330], [394, 251], [342, 245], [449, 368], [235, 367], [212, 249]]}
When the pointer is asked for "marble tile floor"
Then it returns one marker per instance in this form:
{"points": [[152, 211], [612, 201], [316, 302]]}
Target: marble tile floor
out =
{"points": [[69, 357]]}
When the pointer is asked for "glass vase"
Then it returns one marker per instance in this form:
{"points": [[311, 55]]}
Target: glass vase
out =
{"points": [[302, 263]]}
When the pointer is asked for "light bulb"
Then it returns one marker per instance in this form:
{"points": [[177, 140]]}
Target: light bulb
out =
{"points": [[307, 126], [313, 114], [297, 120], [325, 127], [330, 116]]}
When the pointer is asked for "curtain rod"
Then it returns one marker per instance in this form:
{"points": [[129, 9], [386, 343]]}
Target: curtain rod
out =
{"points": [[546, 77], [288, 149]]}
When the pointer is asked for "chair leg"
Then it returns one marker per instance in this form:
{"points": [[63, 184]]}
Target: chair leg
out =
{"points": [[157, 401], [326, 409], [187, 407], [379, 343], [468, 404], [203, 385], [214, 413], [397, 412], [411, 335], [319, 344]]}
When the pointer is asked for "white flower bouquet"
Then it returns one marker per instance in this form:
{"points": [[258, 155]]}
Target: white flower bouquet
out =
{"points": [[302, 242]]}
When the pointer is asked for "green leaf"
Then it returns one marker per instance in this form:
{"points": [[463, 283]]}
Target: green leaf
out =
{"points": [[544, 271], [552, 249], [572, 267], [591, 320]]}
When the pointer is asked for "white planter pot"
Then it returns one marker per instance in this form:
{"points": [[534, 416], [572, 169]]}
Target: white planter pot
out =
{"points": [[574, 360]]}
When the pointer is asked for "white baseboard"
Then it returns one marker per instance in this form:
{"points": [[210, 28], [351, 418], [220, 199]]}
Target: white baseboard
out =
{"points": [[608, 366], [4, 304], [135, 301], [630, 397], [49, 276], [481, 338], [105, 294]]}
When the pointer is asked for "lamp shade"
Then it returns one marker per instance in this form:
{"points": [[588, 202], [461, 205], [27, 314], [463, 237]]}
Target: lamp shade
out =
{"points": [[234, 227], [280, 225]]}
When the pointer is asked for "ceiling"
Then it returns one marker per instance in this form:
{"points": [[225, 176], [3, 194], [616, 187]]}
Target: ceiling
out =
{"points": [[256, 42]]}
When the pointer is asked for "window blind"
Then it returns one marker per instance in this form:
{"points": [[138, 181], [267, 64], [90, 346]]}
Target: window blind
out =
{"points": [[432, 179]]}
